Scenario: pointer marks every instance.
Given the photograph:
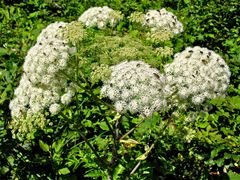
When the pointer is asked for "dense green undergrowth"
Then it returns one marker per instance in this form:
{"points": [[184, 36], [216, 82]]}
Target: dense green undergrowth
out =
{"points": [[86, 140]]}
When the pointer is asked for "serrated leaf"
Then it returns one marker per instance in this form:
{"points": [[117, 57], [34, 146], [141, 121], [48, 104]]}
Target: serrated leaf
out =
{"points": [[203, 124], [4, 170], [104, 126], [118, 171], [233, 176], [235, 102], [93, 174], [3, 51], [43, 146], [63, 171], [220, 162], [87, 123], [10, 160]]}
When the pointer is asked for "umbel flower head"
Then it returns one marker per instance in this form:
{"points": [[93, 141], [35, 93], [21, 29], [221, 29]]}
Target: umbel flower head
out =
{"points": [[162, 20], [100, 17], [196, 74], [42, 86], [136, 87]]}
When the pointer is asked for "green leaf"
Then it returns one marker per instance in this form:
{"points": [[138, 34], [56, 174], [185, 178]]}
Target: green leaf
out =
{"points": [[217, 101], [10, 160], [104, 126], [203, 124], [220, 162], [87, 123], [63, 171], [43, 146], [4, 170], [118, 171], [233, 176], [235, 102], [93, 174], [58, 146], [3, 51]]}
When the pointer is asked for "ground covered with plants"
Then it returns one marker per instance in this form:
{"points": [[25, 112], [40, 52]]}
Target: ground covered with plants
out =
{"points": [[119, 89]]}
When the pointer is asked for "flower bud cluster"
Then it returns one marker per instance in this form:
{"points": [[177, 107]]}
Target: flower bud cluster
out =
{"points": [[100, 17], [164, 51], [42, 85], [196, 74], [74, 32], [136, 87], [100, 73], [159, 36], [162, 20], [137, 17]]}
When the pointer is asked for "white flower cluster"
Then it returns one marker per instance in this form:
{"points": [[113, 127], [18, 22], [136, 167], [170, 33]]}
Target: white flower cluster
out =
{"points": [[196, 74], [162, 20], [41, 85], [136, 87], [100, 17]]}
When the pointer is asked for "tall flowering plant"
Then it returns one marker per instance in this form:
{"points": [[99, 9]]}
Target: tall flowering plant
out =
{"points": [[86, 74]]}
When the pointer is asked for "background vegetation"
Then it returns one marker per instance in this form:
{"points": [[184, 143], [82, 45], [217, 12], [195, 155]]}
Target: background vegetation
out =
{"points": [[209, 148]]}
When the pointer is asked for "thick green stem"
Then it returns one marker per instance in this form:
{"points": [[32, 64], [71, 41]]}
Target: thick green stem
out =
{"points": [[131, 130]]}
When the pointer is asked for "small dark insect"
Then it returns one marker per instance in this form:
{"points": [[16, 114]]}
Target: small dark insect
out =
{"points": [[40, 43], [193, 76], [60, 26], [209, 53], [217, 59], [222, 65], [51, 43], [204, 61], [201, 52], [148, 20], [188, 56], [156, 75], [138, 65], [111, 85], [190, 51], [44, 54]]}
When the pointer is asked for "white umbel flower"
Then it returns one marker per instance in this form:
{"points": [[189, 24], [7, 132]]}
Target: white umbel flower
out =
{"points": [[144, 96], [162, 20], [41, 85], [41, 67], [100, 17], [197, 74], [55, 109], [66, 98]]}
